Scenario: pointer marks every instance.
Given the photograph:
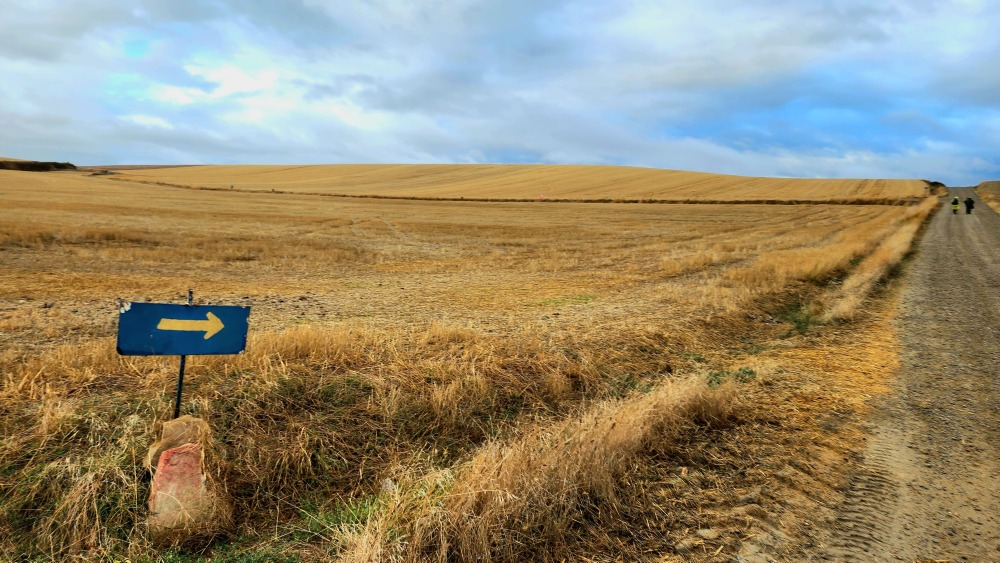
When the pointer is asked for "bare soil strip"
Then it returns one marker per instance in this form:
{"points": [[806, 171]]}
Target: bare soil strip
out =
{"points": [[928, 486]]}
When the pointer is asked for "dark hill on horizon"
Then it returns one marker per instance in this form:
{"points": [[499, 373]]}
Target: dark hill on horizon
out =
{"points": [[34, 165]]}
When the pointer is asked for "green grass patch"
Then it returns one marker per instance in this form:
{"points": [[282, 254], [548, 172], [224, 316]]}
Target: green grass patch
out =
{"points": [[232, 553], [694, 357], [742, 375], [624, 384], [321, 523], [751, 347], [801, 317]]}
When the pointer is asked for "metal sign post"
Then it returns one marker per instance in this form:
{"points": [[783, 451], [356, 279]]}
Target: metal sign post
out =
{"points": [[180, 387], [180, 375], [165, 329]]}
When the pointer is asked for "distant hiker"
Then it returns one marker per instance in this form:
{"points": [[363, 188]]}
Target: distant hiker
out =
{"points": [[969, 204], [954, 206]]}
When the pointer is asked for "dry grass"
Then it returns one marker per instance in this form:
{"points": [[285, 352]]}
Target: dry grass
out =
{"points": [[533, 182], [409, 361], [843, 301], [990, 193], [512, 500], [304, 414]]}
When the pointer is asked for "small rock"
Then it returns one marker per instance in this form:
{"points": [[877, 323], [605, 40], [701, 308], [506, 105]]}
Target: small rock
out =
{"points": [[707, 534], [685, 547], [752, 510], [47, 305], [753, 497]]}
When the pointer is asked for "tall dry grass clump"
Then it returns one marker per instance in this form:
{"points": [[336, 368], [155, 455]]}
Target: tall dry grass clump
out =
{"points": [[843, 302], [816, 261], [512, 500], [990, 193]]}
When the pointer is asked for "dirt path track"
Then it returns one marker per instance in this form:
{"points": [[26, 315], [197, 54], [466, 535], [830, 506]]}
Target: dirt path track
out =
{"points": [[929, 485]]}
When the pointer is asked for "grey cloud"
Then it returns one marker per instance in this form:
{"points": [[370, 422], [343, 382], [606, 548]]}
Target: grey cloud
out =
{"points": [[451, 92], [712, 88], [975, 82], [334, 86], [915, 122], [836, 22], [50, 30]]}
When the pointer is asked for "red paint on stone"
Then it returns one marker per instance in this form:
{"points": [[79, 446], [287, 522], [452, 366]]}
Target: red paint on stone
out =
{"points": [[180, 467], [179, 498]]}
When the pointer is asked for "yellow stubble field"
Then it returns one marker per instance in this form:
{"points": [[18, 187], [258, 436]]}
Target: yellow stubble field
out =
{"points": [[515, 181], [409, 342], [88, 241]]}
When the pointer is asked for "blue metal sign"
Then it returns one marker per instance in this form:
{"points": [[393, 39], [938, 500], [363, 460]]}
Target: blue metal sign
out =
{"points": [[163, 329]]}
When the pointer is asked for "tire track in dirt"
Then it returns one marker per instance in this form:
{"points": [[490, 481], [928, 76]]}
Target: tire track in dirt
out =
{"points": [[928, 485]]}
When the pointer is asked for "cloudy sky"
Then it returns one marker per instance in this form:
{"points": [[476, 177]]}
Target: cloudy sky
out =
{"points": [[811, 88]]}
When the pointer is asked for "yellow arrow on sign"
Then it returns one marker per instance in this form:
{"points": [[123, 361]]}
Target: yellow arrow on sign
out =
{"points": [[211, 325]]}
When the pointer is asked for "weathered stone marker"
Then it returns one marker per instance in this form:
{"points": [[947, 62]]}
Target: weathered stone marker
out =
{"points": [[183, 501]]}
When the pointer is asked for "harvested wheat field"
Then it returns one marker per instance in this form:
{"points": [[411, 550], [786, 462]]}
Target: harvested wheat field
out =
{"points": [[447, 380], [531, 182]]}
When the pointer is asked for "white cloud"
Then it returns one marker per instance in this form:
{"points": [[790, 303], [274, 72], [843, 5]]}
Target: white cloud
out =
{"points": [[777, 87], [148, 121], [231, 79], [177, 95]]}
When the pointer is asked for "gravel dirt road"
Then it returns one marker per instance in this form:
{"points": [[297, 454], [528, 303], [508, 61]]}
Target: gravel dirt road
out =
{"points": [[928, 486]]}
